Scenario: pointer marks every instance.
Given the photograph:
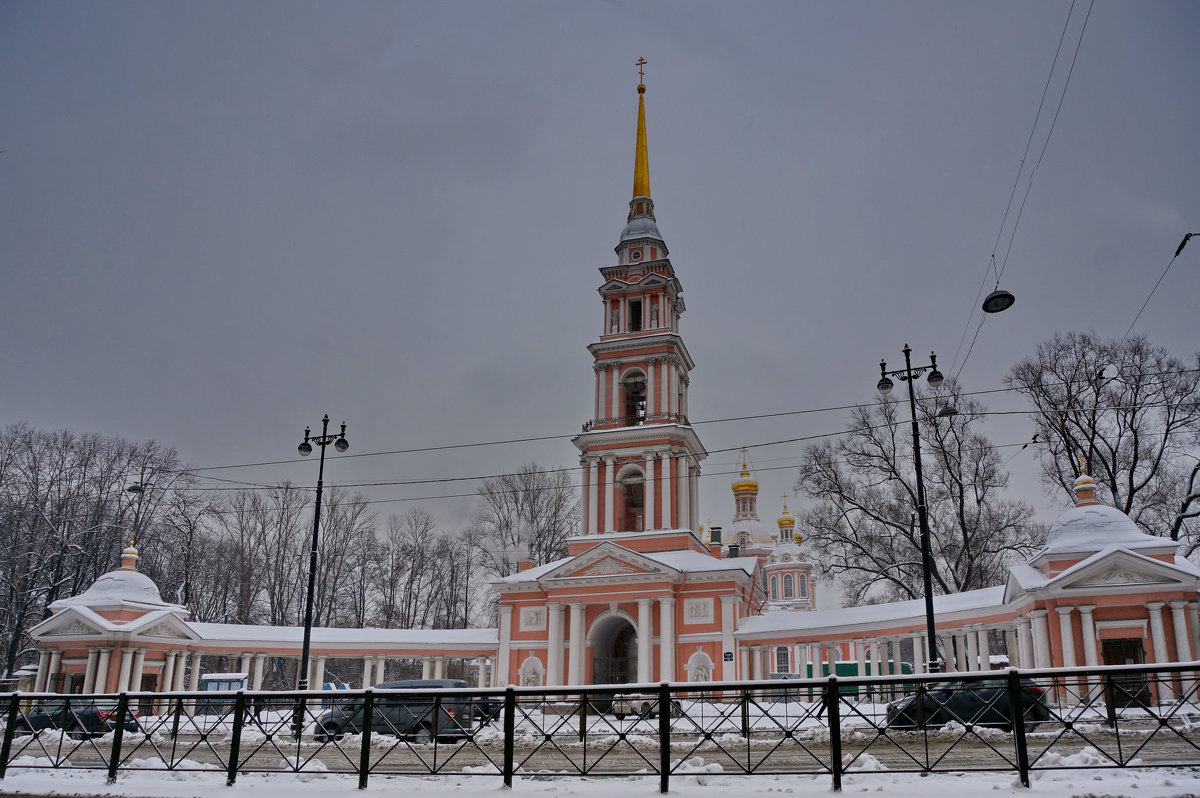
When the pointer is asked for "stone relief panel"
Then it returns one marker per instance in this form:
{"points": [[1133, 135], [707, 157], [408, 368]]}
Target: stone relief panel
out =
{"points": [[609, 566], [698, 610], [75, 627], [533, 619]]}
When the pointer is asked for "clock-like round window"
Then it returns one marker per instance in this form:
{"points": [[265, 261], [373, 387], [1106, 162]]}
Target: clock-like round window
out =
{"points": [[635, 254]]}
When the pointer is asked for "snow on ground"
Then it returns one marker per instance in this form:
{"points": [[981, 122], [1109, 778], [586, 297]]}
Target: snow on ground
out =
{"points": [[695, 779]]}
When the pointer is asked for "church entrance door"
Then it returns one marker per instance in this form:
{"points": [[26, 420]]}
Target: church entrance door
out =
{"points": [[614, 649]]}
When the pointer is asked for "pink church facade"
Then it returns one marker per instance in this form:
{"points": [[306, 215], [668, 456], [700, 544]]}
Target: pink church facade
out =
{"points": [[643, 594]]}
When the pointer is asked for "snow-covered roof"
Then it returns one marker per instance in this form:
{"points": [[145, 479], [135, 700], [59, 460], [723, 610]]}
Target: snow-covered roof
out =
{"points": [[896, 612], [122, 588], [1096, 526], [688, 560], [323, 635]]}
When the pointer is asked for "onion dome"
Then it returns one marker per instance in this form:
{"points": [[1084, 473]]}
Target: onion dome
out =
{"points": [[745, 482]]}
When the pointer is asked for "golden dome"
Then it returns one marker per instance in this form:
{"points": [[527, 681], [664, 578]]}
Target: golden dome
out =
{"points": [[744, 481]]}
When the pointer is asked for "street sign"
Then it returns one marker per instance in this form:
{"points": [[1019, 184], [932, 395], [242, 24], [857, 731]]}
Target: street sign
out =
{"points": [[728, 656]]}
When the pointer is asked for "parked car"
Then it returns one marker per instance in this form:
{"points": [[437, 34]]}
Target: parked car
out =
{"points": [[978, 703], [84, 718], [639, 704], [409, 716]]}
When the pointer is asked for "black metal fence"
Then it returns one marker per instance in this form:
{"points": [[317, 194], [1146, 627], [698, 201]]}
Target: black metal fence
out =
{"points": [[1019, 721]]}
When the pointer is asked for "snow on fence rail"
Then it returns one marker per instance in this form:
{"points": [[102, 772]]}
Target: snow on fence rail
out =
{"points": [[1020, 721]]}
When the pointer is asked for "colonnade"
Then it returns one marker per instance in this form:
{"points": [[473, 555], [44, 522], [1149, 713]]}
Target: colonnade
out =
{"points": [[176, 675], [671, 489]]}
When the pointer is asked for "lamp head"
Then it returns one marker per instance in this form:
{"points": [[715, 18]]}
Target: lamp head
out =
{"points": [[947, 411], [885, 385], [341, 444], [136, 487], [997, 301], [305, 449]]}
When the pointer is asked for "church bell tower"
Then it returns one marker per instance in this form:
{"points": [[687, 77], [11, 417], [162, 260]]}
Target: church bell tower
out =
{"points": [[639, 453]]}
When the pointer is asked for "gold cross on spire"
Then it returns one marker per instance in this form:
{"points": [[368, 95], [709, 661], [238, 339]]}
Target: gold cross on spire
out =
{"points": [[641, 62], [1082, 466]]}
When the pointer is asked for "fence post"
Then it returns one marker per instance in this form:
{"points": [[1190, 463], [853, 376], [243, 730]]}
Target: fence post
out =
{"points": [[235, 741], [1110, 705], [833, 710], [10, 730], [510, 732], [583, 708], [364, 753], [1016, 709], [175, 719], [114, 759], [664, 737], [745, 713]]}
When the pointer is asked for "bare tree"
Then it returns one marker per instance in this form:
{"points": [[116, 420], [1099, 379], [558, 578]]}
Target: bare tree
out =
{"points": [[1132, 412], [862, 523], [532, 511]]}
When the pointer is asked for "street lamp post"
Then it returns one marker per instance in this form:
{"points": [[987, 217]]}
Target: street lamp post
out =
{"points": [[885, 385], [306, 446]]}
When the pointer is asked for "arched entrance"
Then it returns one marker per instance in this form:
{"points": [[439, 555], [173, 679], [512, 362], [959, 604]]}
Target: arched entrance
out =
{"points": [[614, 651]]}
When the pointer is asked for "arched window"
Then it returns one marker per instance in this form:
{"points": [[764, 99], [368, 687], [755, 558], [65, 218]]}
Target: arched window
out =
{"points": [[803, 586], [774, 588], [634, 389], [787, 586], [781, 660], [633, 501]]}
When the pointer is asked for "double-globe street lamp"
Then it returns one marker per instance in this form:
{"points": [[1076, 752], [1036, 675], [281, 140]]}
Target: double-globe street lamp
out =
{"points": [[885, 385], [306, 447]]}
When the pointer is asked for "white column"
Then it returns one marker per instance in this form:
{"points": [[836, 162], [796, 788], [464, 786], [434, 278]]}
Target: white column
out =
{"points": [[651, 484], [426, 667], [668, 486], [1027, 651], [576, 643], [650, 380], [43, 672], [610, 492], [180, 669], [1158, 636], [728, 669], [318, 678], [694, 493], [1183, 647], [985, 650], [439, 667], [368, 671], [89, 675], [1087, 623], [135, 676], [1066, 634], [260, 661], [600, 372], [554, 643], [756, 662], [1193, 610], [593, 476], [244, 663], [685, 502], [918, 654], [614, 371], [380, 670], [666, 638], [802, 661], [1011, 648], [500, 673], [164, 682], [126, 667], [481, 676], [972, 652], [644, 640], [1041, 639]]}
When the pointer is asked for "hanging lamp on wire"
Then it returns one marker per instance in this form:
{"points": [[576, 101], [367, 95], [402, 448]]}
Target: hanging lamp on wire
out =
{"points": [[999, 299]]}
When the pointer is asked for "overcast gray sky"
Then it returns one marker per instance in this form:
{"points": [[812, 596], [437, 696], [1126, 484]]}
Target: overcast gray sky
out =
{"points": [[219, 221]]}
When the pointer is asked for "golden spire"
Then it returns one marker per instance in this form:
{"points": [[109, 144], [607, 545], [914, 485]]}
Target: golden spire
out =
{"points": [[1082, 465], [641, 164]]}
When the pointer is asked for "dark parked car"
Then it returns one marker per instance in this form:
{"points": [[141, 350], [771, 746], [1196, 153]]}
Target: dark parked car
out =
{"points": [[981, 703], [409, 716], [83, 718]]}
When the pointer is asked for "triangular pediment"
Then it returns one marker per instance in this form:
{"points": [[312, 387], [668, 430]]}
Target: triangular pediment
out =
{"points": [[1123, 569], [71, 623], [164, 625], [607, 561]]}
